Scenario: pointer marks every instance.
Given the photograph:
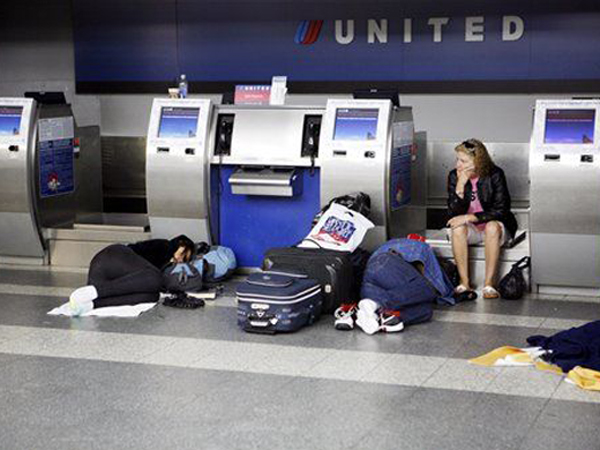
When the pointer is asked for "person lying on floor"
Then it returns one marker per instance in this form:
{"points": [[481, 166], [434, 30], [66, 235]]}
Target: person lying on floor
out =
{"points": [[129, 274]]}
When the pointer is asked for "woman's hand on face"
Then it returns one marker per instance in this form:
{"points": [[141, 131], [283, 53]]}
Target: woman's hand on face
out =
{"points": [[464, 174]]}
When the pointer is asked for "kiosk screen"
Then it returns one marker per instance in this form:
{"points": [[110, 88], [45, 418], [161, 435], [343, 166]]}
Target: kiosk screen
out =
{"points": [[10, 120], [355, 124], [176, 122], [570, 126]]}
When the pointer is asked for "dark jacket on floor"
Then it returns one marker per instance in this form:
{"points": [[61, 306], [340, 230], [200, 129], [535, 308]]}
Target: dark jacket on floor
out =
{"points": [[493, 195], [574, 347], [158, 251]]}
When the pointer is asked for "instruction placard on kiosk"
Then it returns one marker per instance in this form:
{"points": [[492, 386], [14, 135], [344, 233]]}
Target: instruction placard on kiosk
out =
{"points": [[56, 156], [400, 164]]}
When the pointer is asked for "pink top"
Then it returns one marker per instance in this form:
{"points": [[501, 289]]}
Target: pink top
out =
{"points": [[475, 205]]}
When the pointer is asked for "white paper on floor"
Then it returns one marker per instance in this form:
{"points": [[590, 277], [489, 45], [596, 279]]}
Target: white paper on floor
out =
{"points": [[108, 311]]}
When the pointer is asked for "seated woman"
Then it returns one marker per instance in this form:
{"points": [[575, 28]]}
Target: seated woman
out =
{"points": [[129, 274], [479, 210]]}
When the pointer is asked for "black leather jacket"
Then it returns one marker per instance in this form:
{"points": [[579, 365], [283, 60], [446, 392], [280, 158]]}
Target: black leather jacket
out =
{"points": [[493, 195]]}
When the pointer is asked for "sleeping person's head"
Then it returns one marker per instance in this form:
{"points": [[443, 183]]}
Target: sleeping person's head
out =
{"points": [[182, 247]]}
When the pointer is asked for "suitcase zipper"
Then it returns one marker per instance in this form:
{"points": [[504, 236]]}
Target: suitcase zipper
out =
{"points": [[272, 300]]}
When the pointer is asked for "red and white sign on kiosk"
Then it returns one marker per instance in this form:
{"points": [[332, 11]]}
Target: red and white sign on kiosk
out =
{"points": [[246, 94], [262, 94]]}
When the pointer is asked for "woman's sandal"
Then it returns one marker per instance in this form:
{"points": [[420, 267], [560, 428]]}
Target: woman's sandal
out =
{"points": [[490, 293], [460, 289], [464, 294]]}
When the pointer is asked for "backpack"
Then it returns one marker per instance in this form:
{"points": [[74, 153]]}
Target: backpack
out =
{"points": [[184, 277], [513, 285], [220, 263], [358, 201]]}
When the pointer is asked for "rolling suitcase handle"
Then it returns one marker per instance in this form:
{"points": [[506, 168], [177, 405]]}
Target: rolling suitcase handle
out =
{"points": [[312, 241]]}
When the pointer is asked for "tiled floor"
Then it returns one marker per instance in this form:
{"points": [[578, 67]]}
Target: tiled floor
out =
{"points": [[178, 379]]}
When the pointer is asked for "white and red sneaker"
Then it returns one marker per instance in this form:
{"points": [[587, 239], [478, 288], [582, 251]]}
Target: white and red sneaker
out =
{"points": [[367, 317], [344, 317]]}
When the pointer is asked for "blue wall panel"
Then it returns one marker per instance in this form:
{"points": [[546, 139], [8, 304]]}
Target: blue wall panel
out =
{"points": [[119, 40], [155, 40], [252, 224]]}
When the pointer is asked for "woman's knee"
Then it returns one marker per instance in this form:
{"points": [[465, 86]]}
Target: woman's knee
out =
{"points": [[493, 229], [460, 232]]}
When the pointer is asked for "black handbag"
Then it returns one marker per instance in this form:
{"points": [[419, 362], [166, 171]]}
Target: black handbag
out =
{"points": [[358, 201], [450, 270], [513, 285]]}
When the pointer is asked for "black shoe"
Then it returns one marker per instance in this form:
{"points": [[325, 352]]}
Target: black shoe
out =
{"points": [[182, 300], [465, 296]]}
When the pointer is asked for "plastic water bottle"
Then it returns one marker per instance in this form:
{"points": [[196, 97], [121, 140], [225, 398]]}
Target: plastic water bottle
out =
{"points": [[183, 86]]}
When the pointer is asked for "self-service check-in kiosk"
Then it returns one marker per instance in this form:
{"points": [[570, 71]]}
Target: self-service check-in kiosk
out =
{"points": [[43, 157], [19, 229], [265, 179], [274, 167], [176, 168], [565, 194], [368, 145]]}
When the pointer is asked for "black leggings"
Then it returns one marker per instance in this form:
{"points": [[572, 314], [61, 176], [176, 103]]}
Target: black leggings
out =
{"points": [[123, 277]]}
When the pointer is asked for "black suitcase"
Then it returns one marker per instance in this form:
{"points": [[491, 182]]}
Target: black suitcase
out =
{"points": [[333, 269], [271, 302]]}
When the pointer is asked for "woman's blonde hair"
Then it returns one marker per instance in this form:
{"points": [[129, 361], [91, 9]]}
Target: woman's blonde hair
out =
{"points": [[476, 149]]}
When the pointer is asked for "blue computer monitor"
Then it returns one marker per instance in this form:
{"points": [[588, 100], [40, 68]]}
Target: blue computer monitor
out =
{"points": [[570, 126], [178, 122], [10, 120], [356, 124]]}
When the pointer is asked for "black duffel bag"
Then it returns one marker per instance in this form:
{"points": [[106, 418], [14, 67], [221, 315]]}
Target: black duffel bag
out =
{"points": [[357, 201]]}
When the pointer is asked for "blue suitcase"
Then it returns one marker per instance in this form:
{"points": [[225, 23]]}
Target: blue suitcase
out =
{"points": [[272, 302]]}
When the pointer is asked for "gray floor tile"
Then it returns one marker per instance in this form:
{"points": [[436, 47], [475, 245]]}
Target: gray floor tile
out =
{"points": [[571, 415], [310, 399], [6, 359], [423, 434], [525, 381], [43, 278], [571, 392], [532, 307], [311, 414], [460, 375], [485, 339], [456, 420], [544, 438]]}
